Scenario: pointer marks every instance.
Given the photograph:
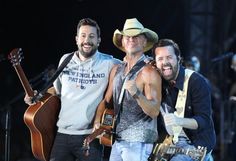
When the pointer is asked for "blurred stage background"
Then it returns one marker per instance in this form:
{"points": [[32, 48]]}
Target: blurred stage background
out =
{"points": [[46, 29]]}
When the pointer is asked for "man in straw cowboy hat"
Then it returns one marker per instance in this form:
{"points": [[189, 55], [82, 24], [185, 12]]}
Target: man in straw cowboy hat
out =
{"points": [[135, 89]]}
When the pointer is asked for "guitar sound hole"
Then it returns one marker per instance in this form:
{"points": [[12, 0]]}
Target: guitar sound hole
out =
{"points": [[108, 120]]}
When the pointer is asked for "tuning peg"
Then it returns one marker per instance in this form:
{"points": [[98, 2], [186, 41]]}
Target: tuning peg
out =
{"points": [[86, 149]]}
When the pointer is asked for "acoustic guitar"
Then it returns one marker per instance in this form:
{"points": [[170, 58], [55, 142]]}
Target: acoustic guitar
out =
{"points": [[40, 117], [105, 131], [165, 150]]}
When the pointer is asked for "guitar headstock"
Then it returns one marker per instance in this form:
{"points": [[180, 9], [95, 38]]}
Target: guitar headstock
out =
{"points": [[16, 56], [90, 138], [86, 146]]}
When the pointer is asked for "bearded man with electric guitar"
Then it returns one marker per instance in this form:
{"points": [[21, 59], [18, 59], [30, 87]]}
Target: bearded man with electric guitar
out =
{"points": [[186, 109]]}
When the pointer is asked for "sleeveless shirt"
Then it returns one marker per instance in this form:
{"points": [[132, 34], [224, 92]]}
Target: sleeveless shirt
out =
{"points": [[133, 124]]}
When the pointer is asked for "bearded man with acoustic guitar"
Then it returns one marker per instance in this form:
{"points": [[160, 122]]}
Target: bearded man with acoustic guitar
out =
{"points": [[80, 86]]}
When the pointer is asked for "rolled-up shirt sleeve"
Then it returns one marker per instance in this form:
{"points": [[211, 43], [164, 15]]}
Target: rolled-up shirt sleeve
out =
{"points": [[201, 102]]}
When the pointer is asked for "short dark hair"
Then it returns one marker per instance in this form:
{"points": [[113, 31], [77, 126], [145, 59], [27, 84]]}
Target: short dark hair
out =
{"points": [[90, 22], [167, 42]]}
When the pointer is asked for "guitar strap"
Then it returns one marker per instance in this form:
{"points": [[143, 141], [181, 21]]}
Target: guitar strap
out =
{"points": [[54, 77], [129, 76], [180, 104]]}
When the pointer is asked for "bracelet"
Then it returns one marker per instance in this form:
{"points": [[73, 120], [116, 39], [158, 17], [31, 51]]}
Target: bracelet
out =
{"points": [[137, 94]]}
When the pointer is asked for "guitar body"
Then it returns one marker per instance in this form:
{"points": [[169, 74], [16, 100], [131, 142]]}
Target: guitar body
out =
{"points": [[106, 140], [107, 123], [41, 120], [159, 150]]}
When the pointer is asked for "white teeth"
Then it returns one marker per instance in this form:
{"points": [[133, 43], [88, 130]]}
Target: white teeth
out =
{"points": [[167, 72], [166, 68]]}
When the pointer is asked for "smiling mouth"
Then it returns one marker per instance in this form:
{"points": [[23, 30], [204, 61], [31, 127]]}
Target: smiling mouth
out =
{"points": [[87, 47], [167, 70]]}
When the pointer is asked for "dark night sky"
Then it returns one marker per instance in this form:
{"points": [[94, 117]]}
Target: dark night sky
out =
{"points": [[46, 29]]}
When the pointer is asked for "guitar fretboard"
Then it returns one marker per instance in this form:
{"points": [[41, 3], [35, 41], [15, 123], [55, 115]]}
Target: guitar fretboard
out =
{"points": [[196, 154], [174, 150]]}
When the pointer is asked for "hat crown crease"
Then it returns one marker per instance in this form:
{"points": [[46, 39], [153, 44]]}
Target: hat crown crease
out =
{"points": [[134, 28]]}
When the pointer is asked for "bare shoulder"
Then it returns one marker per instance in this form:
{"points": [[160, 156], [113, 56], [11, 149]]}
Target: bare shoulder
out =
{"points": [[149, 72], [114, 69]]}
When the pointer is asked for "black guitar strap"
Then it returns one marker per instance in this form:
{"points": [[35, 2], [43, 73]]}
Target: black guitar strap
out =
{"points": [[129, 76], [54, 77]]}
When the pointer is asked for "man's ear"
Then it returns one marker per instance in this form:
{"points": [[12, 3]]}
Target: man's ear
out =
{"points": [[76, 39], [179, 59], [99, 41], [144, 43]]}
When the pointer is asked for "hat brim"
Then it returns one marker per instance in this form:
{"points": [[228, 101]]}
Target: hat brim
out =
{"points": [[151, 36]]}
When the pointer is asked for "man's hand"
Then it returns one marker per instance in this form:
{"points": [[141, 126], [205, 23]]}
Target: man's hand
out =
{"points": [[131, 86], [96, 126], [171, 119], [29, 100]]}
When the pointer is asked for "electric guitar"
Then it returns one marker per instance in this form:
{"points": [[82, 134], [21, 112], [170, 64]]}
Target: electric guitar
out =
{"points": [[164, 151], [40, 117], [105, 130]]}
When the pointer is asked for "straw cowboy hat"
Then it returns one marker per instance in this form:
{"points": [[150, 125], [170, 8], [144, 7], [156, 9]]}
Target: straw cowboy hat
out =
{"points": [[133, 27]]}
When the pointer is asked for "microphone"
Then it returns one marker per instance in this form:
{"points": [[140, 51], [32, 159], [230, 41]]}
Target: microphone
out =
{"points": [[224, 56]]}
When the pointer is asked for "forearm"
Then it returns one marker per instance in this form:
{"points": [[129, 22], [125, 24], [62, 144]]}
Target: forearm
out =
{"points": [[99, 112], [188, 123]]}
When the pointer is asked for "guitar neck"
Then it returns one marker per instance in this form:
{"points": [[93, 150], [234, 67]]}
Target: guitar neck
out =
{"points": [[24, 81], [96, 133], [190, 152], [176, 150]]}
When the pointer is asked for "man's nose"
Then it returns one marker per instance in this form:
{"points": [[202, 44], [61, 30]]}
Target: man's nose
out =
{"points": [[87, 39], [165, 61]]}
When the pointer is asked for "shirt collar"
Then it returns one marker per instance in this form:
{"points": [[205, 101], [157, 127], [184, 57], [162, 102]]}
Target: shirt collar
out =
{"points": [[180, 78], [92, 58]]}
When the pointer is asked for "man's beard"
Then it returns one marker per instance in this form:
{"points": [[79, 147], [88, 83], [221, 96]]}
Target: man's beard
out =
{"points": [[87, 54], [173, 69]]}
